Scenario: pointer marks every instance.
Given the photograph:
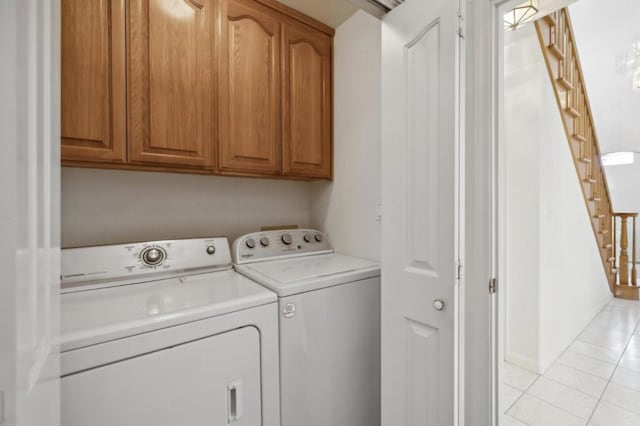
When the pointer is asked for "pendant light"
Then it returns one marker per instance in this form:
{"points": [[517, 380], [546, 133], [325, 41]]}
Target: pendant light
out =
{"points": [[520, 15]]}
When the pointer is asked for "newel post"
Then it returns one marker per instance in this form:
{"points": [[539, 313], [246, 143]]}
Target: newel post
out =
{"points": [[624, 250], [634, 273]]}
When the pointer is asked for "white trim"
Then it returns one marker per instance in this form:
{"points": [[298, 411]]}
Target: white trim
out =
{"points": [[533, 365]]}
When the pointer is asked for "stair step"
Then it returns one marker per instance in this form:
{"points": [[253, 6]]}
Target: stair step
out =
{"points": [[578, 137], [565, 83], [607, 246], [585, 160], [572, 112], [595, 199], [598, 216], [556, 51], [604, 231], [549, 19], [590, 180], [612, 259]]}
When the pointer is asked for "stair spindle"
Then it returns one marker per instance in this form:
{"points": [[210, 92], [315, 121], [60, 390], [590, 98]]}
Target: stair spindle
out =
{"points": [[634, 273]]}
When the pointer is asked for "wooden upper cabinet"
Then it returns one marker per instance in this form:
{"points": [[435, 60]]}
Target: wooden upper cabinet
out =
{"points": [[171, 117], [233, 87], [93, 81], [249, 91], [307, 102]]}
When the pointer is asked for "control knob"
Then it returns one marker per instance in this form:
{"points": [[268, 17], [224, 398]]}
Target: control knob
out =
{"points": [[153, 256], [286, 238], [264, 242], [318, 238], [251, 243], [211, 249], [307, 238]]}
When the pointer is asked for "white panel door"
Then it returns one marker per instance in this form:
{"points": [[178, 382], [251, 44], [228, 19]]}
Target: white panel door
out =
{"points": [[420, 167], [29, 212]]}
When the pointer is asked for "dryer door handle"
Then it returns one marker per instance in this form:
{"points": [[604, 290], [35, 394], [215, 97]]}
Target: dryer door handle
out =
{"points": [[234, 401]]}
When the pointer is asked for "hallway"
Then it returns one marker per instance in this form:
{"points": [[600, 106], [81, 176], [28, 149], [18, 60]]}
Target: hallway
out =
{"points": [[595, 382]]}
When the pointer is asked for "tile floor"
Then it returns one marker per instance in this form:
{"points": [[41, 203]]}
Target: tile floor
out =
{"points": [[595, 382]]}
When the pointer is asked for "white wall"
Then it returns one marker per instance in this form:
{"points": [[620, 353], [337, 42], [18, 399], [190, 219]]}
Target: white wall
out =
{"points": [[555, 281], [347, 208], [110, 207], [605, 31]]}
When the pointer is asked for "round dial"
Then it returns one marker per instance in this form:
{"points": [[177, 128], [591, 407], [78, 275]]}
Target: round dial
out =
{"points": [[318, 237], [286, 238], [211, 249], [264, 242], [153, 256], [307, 238], [251, 243]]}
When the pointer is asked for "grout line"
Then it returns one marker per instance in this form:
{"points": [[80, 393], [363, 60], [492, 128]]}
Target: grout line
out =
{"points": [[571, 387], [621, 407], [593, 358], [608, 307], [554, 406], [626, 346]]}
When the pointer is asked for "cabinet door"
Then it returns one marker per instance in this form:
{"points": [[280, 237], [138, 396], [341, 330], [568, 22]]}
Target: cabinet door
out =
{"points": [[170, 82], [93, 81], [249, 129], [307, 147]]}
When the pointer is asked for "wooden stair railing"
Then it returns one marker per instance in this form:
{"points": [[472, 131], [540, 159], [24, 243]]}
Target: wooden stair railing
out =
{"points": [[557, 41], [627, 278]]}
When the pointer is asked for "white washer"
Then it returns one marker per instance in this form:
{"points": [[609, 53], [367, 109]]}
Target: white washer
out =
{"points": [[166, 333], [329, 326]]}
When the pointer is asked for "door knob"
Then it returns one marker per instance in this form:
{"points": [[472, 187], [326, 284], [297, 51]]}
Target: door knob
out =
{"points": [[438, 305]]}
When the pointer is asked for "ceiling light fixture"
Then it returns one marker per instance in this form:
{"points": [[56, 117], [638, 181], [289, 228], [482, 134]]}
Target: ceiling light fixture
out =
{"points": [[617, 158], [520, 15], [629, 63]]}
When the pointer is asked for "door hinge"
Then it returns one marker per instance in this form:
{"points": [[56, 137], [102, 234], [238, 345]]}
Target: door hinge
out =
{"points": [[493, 284], [459, 272], [460, 24]]}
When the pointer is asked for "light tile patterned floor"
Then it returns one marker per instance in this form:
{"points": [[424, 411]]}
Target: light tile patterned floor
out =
{"points": [[595, 382]]}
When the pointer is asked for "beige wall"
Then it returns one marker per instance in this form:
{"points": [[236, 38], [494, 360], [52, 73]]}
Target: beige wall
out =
{"points": [[109, 207], [347, 208]]}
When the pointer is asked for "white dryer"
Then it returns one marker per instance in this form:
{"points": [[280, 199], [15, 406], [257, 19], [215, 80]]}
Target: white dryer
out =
{"points": [[166, 333], [329, 326]]}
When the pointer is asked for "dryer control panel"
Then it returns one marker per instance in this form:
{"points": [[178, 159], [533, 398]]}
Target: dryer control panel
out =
{"points": [[139, 260], [270, 245]]}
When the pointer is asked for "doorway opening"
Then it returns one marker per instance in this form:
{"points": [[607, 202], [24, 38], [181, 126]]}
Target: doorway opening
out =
{"points": [[568, 352]]}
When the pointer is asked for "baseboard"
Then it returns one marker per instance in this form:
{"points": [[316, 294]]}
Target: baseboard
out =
{"points": [[540, 366], [525, 362]]}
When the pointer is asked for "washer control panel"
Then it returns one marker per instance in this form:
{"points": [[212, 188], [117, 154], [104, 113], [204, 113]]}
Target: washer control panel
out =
{"points": [[268, 245], [127, 261]]}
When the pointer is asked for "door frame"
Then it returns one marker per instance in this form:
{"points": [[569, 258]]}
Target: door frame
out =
{"points": [[485, 203]]}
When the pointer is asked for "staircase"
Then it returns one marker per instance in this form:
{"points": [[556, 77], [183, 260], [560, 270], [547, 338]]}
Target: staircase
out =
{"points": [[557, 41]]}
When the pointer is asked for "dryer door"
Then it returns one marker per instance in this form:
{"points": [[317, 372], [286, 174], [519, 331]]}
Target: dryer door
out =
{"points": [[213, 381]]}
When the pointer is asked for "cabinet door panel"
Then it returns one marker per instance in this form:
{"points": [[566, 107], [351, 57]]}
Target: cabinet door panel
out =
{"points": [[93, 81], [249, 138], [171, 119], [307, 103]]}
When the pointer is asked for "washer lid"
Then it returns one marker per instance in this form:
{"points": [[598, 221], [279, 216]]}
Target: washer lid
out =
{"points": [[297, 275], [99, 315]]}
